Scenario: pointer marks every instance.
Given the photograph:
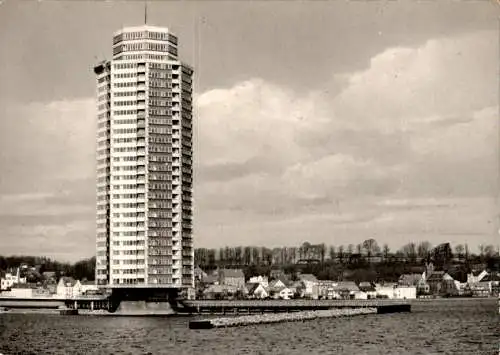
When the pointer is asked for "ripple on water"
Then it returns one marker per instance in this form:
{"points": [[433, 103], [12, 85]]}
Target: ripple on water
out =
{"points": [[435, 327]]}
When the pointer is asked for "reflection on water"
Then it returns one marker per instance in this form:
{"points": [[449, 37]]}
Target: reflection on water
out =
{"points": [[433, 327]]}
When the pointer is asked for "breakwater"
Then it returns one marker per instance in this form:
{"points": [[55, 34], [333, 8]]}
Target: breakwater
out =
{"points": [[277, 306], [277, 318]]}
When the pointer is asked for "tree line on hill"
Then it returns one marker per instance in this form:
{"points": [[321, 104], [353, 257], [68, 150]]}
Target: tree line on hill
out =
{"points": [[81, 270], [369, 250], [366, 261]]}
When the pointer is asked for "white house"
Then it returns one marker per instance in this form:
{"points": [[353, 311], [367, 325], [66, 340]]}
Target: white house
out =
{"points": [[19, 291], [360, 295], [68, 287], [385, 291], [284, 293], [263, 280], [10, 279], [405, 292], [258, 291], [475, 277], [347, 290]]}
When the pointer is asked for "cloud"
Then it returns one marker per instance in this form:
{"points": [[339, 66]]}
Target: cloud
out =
{"points": [[52, 141], [47, 201], [418, 123]]}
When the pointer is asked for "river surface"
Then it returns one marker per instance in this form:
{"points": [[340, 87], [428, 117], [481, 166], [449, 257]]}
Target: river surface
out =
{"points": [[433, 327]]}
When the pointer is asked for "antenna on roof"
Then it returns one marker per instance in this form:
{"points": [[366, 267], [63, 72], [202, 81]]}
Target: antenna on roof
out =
{"points": [[145, 12]]}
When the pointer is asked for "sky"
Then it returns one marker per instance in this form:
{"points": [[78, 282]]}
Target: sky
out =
{"points": [[328, 122]]}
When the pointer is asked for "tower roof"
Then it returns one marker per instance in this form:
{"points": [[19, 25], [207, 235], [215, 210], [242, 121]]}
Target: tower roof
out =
{"points": [[141, 28]]}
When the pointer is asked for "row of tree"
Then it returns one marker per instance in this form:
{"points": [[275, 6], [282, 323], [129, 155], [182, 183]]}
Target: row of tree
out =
{"points": [[307, 252]]}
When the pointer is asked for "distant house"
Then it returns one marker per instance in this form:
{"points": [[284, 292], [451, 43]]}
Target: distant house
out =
{"points": [[257, 290], [232, 277], [219, 292], [260, 280], [10, 279], [310, 285], [385, 291], [346, 290], [199, 274], [476, 276], [479, 289], [366, 286], [405, 292], [299, 288], [369, 289], [88, 287], [68, 287], [283, 293], [493, 281], [19, 290], [210, 279], [440, 283], [326, 289], [409, 279]]}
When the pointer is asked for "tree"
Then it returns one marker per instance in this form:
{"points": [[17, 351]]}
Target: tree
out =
{"points": [[222, 256], [441, 255], [267, 256], [459, 250], [371, 247], [340, 253], [331, 252], [305, 250], [292, 255], [211, 257], [350, 248], [423, 249], [489, 250], [239, 255], [481, 250], [255, 256], [467, 254], [410, 251], [386, 251], [322, 252], [247, 255], [228, 253]]}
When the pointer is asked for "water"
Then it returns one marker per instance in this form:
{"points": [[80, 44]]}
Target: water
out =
{"points": [[433, 327]]}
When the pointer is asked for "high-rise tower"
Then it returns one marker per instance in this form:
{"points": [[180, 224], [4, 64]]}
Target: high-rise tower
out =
{"points": [[144, 163]]}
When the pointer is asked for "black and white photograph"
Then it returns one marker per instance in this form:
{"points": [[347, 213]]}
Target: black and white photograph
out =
{"points": [[249, 177]]}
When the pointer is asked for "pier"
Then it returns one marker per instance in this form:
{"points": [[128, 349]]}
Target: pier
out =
{"points": [[286, 306], [81, 302]]}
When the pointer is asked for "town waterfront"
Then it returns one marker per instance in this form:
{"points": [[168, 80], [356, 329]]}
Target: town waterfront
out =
{"points": [[434, 327]]}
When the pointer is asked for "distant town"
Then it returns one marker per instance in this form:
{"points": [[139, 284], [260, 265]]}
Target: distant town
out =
{"points": [[364, 271]]}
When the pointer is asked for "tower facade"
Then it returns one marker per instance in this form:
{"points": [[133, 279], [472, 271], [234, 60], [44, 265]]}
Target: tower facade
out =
{"points": [[144, 163]]}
